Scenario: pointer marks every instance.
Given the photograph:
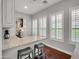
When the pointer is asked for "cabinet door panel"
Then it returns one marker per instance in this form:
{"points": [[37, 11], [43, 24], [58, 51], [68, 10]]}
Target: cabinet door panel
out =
{"points": [[8, 12], [51, 52]]}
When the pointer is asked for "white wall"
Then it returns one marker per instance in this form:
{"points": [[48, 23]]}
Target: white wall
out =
{"points": [[0, 30], [26, 23]]}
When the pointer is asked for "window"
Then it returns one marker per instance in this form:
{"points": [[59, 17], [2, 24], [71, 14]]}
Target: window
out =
{"points": [[75, 25], [56, 27], [35, 27], [42, 27], [53, 27], [59, 26]]}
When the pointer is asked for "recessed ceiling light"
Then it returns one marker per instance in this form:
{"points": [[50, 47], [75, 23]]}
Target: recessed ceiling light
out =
{"points": [[25, 7], [45, 1]]}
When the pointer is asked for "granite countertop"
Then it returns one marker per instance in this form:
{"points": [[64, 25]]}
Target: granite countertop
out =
{"points": [[15, 41]]}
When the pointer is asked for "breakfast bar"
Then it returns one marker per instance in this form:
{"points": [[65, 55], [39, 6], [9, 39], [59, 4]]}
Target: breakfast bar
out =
{"points": [[15, 41]]}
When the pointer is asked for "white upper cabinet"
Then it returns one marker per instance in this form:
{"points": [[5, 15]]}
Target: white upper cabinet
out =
{"points": [[8, 13]]}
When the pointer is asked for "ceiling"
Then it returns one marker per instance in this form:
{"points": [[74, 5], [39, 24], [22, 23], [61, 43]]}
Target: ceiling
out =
{"points": [[34, 6]]}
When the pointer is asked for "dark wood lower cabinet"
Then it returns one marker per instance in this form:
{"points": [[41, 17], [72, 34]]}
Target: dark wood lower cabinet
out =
{"points": [[55, 54]]}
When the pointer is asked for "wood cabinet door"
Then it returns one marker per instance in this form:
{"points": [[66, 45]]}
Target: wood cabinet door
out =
{"points": [[51, 52]]}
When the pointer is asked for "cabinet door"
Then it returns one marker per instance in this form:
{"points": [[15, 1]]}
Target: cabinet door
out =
{"points": [[8, 12], [4, 12], [51, 52]]}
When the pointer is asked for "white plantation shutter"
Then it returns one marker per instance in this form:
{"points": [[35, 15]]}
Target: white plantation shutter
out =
{"points": [[59, 26], [35, 27], [42, 27], [75, 25], [56, 26], [53, 27]]}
